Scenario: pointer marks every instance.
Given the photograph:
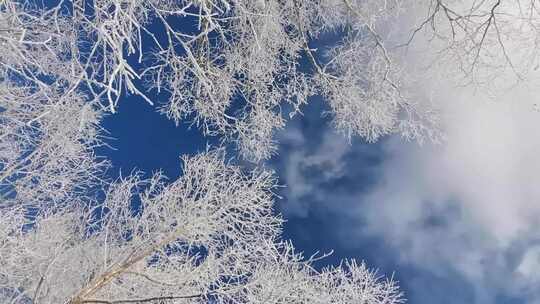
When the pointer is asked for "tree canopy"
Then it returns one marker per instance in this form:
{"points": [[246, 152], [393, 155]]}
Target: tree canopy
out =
{"points": [[238, 70]]}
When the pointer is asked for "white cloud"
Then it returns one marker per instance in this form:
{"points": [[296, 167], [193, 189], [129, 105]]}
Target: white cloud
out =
{"points": [[468, 207], [530, 264], [325, 158], [461, 206], [471, 205]]}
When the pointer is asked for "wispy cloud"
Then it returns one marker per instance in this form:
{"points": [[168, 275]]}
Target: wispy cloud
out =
{"points": [[314, 167], [468, 208], [471, 204], [463, 214]]}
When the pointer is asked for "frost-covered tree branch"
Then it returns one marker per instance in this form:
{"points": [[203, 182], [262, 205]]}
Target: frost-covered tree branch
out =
{"points": [[211, 235], [232, 71], [483, 40]]}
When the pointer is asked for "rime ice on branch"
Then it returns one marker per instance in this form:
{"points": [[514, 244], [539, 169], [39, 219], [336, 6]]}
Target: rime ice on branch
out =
{"points": [[211, 235], [232, 72]]}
